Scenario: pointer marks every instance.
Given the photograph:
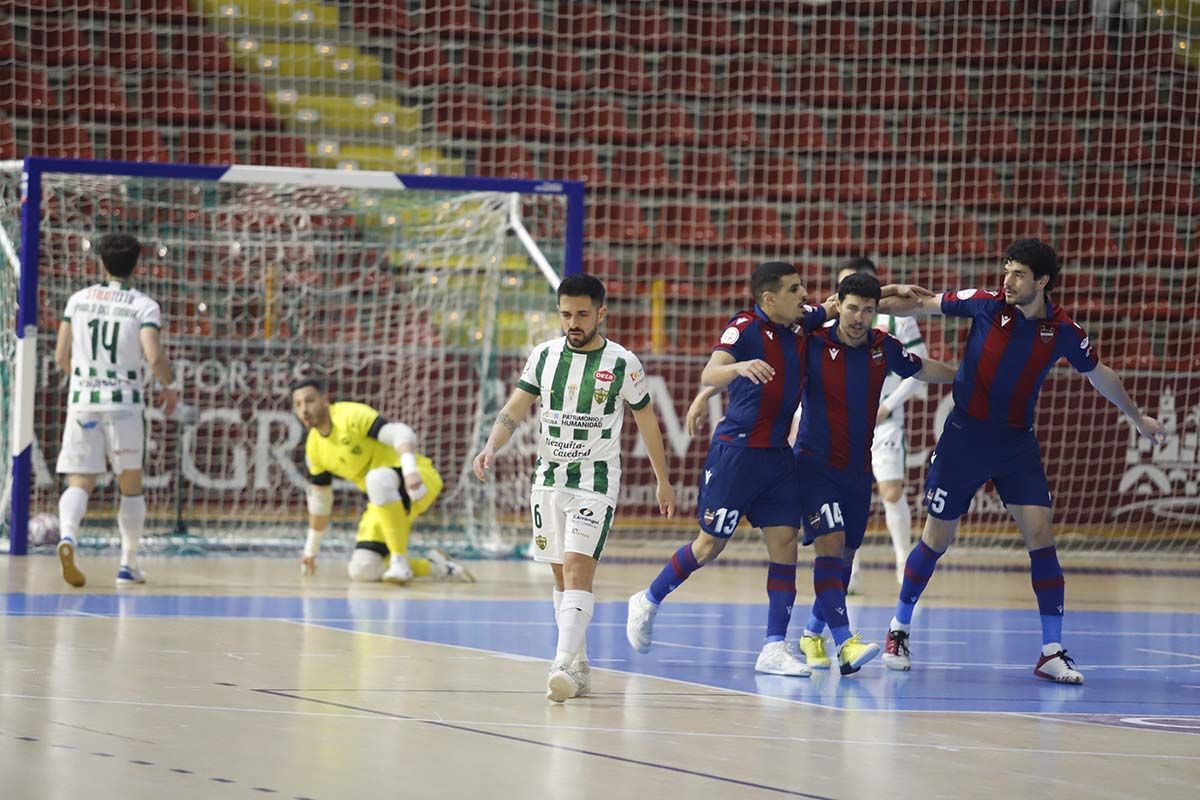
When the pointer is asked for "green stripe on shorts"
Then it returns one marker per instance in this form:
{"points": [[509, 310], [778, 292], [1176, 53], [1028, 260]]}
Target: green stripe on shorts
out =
{"points": [[603, 533]]}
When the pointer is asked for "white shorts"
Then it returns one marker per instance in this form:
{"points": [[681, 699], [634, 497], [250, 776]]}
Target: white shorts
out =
{"points": [[565, 520], [94, 439], [889, 451]]}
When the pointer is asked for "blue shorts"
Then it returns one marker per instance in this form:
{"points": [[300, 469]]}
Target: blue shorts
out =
{"points": [[970, 453], [755, 483], [834, 500]]}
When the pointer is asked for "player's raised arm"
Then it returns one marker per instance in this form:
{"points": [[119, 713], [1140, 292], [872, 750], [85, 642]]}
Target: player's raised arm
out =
{"points": [[909, 301], [515, 410]]}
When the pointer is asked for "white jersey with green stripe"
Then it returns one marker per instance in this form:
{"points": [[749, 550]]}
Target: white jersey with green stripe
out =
{"points": [[106, 347], [582, 398], [906, 330]]}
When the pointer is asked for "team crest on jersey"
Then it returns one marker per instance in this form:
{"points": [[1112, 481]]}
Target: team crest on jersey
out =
{"points": [[540, 541], [1047, 333], [877, 355], [600, 396], [710, 516], [814, 520], [572, 390]]}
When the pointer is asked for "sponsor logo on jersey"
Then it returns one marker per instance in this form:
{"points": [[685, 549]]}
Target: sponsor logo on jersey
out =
{"points": [[605, 376], [833, 353], [770, 335], [1047, 333], [586, 512], [1004, 320], [636, 375], [540, 541]]}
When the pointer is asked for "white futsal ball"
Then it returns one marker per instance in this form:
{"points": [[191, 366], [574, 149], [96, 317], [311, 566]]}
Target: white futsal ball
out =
{"points": [[43, 530]]}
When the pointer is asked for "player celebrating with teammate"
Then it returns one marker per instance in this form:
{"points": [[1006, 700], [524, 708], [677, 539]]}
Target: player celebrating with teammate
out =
{"points": [[107, 331], [354, 442], [847, 364], [1016, 336], [583, 382]]}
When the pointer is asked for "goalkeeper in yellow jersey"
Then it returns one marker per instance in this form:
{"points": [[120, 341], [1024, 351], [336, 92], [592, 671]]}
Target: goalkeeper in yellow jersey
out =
{"points": [[354, 442]]}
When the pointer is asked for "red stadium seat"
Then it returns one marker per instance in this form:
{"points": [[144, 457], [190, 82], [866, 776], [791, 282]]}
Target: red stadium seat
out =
{"points": [[531, 116], [485, 65], [991, 139], [730, 127], [974, 187], [890, 233], [198, 51], [555, 69], [623, 72], [1086, 50], [900, 40], [841, 179], [169, 12], [1148, 50], [97, 96], [946, 90], [667, 124], [772, 35], [927, 138], [505, 161], [601, 120], [208, 147], [968, 44], [1119, 144], [709, 32], [1040, 188], [1057, 142], [640, 170], [1088, 240], [955, 236], [754, 227], [618, 220], [8, 45], [864, 134], [708, 173], [831, 37], [1134, 96], [61, 140], [383, 18], [451, 19], [687, 75], [1009, 229], [754, 79], [140, 144], [797, 132], [1168, 193], [134, 49], [777, 178], [583, 25], [516, 20], [645, 27], [1100, 191], [279, 150], [243, 104], [989, 9], [1068, 93], [464, 114], [1006, 91], [882, 87], [820, 84], [1183, 100], [1155, 242], [423, 62], [823, 230], [575, 163], [685, 223], [1036, 50], [1178, 144], [171, 100], [25, 91], [58, 43], [8, 139], [907, 183]]}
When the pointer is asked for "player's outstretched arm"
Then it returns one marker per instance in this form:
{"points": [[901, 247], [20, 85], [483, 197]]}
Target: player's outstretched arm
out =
{"points": [[696, 411], [909, 301], [1109, 384], [935, 372], [160, 366], [320, 509], [722, 369], [510, 416], [651, 433]]}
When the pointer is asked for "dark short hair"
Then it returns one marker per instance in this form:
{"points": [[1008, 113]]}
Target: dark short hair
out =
{"points": [[1038, 256], [582, 285], [301, 383], [119, 252], [768, 276], [860, 284], [860, 264]]}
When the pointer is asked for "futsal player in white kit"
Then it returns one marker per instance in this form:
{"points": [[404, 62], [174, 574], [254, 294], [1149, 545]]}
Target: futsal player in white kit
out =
{"points": [[109, 333]]}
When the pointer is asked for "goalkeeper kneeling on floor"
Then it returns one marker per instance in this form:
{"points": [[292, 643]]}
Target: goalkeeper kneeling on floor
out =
{"points": [[354, 442]]}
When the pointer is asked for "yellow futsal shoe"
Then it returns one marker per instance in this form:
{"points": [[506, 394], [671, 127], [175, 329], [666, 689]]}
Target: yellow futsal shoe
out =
{"points": [[813, 648], [854, 653]]}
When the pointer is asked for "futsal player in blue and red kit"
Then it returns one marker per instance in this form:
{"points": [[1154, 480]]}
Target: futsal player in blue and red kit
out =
{"points": [[1017, 334], [846, 364], [750, 472]]}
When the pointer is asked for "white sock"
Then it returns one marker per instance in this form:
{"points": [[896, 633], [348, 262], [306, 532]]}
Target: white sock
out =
{"points": [[897, 625], [581, 656], [71, 508], [1051, 649], [131, 519], [574, 614], [899, 525], [396, 558]]}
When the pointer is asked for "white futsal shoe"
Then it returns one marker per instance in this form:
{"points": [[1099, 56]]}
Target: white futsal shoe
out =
{"points": [[581, 670], [1055, 665], [445, 569], [561, 685], [400, 572], [639, 625], [777, 658], [130, 576]]}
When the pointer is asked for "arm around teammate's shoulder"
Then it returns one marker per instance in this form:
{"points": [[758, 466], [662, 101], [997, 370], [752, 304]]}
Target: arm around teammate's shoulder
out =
{"points": [[911, 305], [936, 371]]}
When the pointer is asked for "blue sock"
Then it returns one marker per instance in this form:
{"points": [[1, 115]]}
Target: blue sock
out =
{"points": [[831, 594], [816, 622], [1047, 576], [917, 571], [781, 596], [677, 570]]}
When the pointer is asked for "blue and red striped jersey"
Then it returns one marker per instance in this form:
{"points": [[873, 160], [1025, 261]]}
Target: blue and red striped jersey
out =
{"points": [[760, 414], [841, 396], [1008, 356]]}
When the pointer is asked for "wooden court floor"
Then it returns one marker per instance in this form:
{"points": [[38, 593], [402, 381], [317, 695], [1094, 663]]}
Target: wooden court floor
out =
{"points": [[234, 678]]}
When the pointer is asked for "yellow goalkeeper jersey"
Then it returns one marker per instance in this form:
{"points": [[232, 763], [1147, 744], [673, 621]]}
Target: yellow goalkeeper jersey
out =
{"points": [[350, 450]]}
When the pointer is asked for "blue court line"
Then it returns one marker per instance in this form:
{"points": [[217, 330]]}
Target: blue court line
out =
{"points": [[550, 745]]}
